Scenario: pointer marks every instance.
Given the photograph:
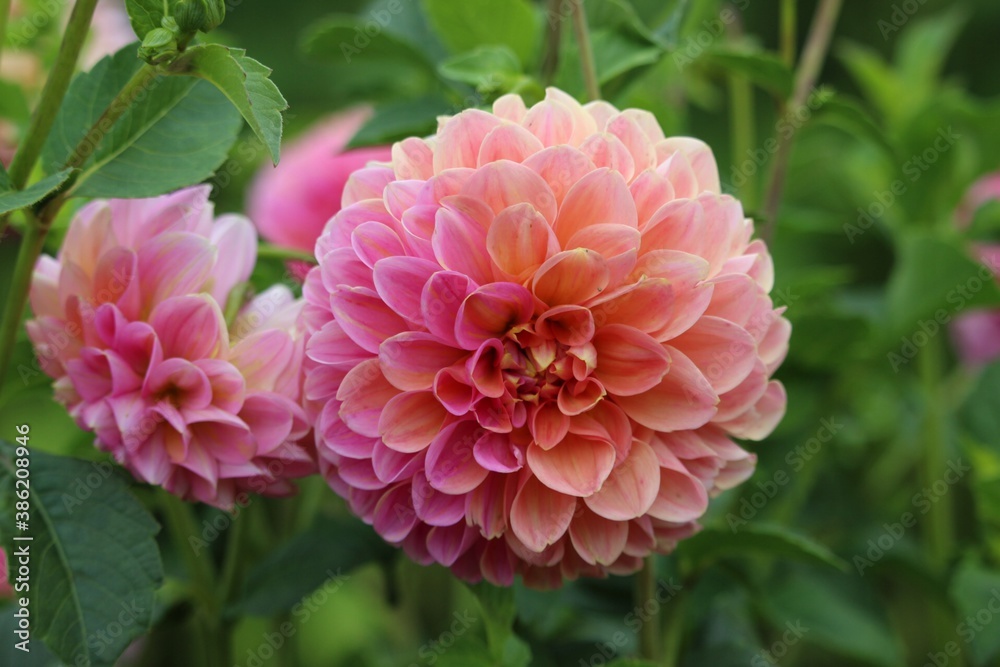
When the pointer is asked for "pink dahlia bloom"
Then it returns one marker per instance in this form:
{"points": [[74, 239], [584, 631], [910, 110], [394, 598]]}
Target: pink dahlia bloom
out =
{"points": [[291, 203], [534, 336], [976, 333], [6, 590], [128, 320]]}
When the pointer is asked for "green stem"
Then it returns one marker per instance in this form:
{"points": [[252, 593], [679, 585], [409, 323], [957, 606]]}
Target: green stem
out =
{"points": [[645, 590], [4, 18], [53, 93], [182, 528], [268, 251], [587, 62], [213, 632], [789, 20], [31, 247], [939, 535], [233, 558], [741, 125], [813, 56], [674, 640], [553, 41]]}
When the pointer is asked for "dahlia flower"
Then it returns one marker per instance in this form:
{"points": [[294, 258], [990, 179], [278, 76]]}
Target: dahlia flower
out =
{"points": [[534, 337], [292, 202], [129, 322], [5, 588]]}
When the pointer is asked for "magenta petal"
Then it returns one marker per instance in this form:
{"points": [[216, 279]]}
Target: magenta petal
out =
{"points": [[373, 241], [451, 465], [496, 452], [394, 516], [400, 282], [440, 301], [434, 507], [191, 327], [485, 370], [365, 317], [447, 543]]}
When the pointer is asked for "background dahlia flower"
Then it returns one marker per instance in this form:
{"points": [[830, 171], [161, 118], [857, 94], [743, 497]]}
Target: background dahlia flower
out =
{"points": [[976, 333], [129, 321], [533, 338], [292, 202]]}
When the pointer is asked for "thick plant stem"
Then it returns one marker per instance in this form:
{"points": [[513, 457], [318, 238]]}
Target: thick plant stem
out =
{"points": [[53, 93], [268, 251], [553, 40], [674, 640], [809, 68], [587, 62], [939, 535], [645, 590], [17, 297], [789, 21], [213, 632], [741, 127], [4, 19]]}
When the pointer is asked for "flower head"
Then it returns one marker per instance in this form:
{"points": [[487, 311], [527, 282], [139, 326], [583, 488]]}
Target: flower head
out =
{"points": [[128, 320], [291, 203], [5, 588], [534, 336]]}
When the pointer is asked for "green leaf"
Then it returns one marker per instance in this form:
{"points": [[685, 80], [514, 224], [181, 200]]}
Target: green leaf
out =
{"points": [[324, 552], [879, 83], [245, 82], [488, 68], [365, 65], [981, 412], [469, 24], [95, 565], [934, 279], [398, 120], [924, 47], [467, 651], [12, 200], [632, 662], [713, 544], [826, 611], [13, 103], [176, 134], [619, 15], [765, 69], [145, 15], [848, 114], [973, 590]]}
